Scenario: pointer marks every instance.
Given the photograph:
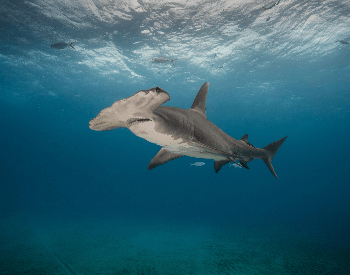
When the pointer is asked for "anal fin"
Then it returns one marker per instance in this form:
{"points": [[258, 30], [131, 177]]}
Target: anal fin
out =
{"points": [[163, 156], [244, 164]]}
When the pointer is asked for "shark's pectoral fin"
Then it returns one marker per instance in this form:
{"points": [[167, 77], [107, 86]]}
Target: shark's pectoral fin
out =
{"points": [[218, 164], [163, 156]]}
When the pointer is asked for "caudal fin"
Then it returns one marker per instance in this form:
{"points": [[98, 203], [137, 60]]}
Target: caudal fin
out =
{"points": [[271, 150], [71, 44]]}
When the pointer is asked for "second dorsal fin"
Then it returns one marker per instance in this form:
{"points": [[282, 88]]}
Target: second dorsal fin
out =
{"points": [[245, 139]]}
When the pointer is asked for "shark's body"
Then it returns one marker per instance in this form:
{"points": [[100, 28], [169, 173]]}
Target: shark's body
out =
{"points": [[180, 132]]}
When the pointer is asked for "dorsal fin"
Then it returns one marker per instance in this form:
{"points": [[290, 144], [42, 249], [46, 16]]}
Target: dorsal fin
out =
{"points": [[200, 100]]}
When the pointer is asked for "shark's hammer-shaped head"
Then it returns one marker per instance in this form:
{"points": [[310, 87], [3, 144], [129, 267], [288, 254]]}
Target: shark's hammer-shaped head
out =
{"points": [[126, 112]]}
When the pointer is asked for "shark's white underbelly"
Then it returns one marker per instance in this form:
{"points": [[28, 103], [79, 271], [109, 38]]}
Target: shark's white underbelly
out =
{"points": [[195, 152], [163, 140], [179, 145]]}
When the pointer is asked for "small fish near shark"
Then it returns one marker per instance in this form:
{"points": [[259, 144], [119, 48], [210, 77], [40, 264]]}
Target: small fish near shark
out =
{"points": [[235, 165], [343, 42], [61, 45], [198, 164], [180, 132], [162, 60], [271, 6]]}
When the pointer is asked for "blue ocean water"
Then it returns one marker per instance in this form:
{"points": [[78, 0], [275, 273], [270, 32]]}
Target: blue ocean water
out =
{"points": [[77, 201]]}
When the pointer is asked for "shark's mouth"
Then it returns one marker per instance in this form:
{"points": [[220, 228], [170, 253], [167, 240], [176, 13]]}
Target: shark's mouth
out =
{"points": [[136, 120]]}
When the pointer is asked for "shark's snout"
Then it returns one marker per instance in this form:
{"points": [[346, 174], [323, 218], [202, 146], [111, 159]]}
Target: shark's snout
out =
{"points": [[130, 111], [102, 123]]}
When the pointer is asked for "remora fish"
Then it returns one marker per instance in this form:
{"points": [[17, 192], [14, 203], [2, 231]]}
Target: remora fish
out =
{"points": [[198, 164], [271, 6], [61, 45], [180, 132], [162, 60], [343, 41]]}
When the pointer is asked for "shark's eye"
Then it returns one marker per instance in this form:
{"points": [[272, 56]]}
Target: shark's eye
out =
{"points": [[159, 90]]}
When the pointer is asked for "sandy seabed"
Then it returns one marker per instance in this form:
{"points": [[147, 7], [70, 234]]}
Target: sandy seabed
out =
{"points": [[154, 247]]}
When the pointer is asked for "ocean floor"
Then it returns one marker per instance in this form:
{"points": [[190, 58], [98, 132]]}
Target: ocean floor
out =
{"points": [[39, 246]]}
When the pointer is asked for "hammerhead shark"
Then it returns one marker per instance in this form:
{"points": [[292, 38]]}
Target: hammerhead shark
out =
{"points": [[180, 132]]}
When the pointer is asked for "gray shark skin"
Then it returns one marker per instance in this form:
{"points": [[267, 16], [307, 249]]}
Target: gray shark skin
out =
{"points": [[180, 132]]}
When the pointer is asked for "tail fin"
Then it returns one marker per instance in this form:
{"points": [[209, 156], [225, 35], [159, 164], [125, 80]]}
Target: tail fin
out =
{"points": [[172, 61], [271, 150], [72, 44]]}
